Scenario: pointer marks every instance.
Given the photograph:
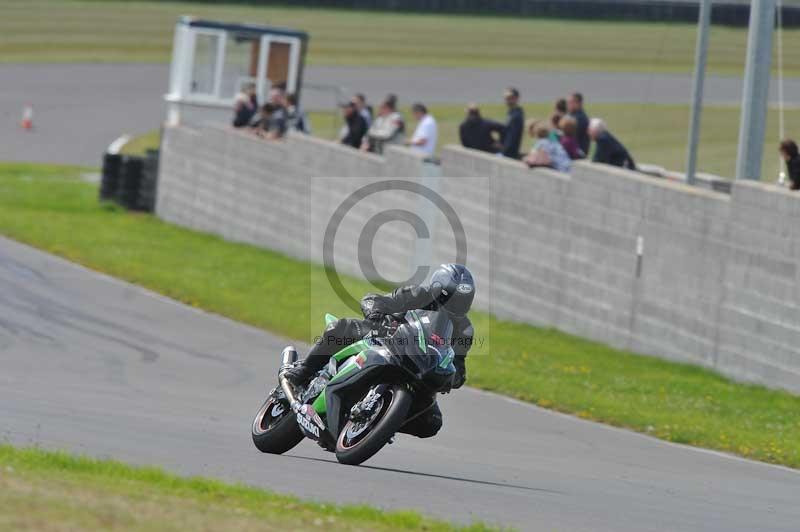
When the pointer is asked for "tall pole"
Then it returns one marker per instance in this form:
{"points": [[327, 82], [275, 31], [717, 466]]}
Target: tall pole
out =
{"points": [[756, 90], [703, 26]]}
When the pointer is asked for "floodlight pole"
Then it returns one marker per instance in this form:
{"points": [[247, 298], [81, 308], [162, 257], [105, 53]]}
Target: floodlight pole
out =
{"points": [[755, 97], [703, 26]]}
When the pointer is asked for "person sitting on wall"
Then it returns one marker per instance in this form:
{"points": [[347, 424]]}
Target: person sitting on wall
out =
{"points": [[279, 119], [788, 150], [264, 126], [479, 133], [546, 152], [608, 150], [245, 105], [356, 126], [387, 128], [569, 139], [296, 118]]}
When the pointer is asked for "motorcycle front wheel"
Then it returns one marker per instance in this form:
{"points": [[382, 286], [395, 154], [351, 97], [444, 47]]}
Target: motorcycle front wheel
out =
{"points": [[360, 441], [275, 428]]}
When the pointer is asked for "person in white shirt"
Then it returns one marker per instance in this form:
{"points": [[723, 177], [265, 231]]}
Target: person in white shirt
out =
{"points": [[425, 136]]}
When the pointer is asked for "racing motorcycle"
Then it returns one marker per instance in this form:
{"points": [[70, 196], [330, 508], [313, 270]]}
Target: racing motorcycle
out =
{"points": [[366, 393]]}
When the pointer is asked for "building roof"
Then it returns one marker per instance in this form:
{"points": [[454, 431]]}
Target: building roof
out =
{"points": [[256, 29]]}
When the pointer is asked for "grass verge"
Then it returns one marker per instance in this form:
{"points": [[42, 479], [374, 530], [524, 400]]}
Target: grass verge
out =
{"points": [[94, 31], [46, 491], [675, 402]]}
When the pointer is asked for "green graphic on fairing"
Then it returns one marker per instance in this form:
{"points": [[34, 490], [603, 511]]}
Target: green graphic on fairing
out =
{"points": [[350, 350], [320, 404], [421, 338]]}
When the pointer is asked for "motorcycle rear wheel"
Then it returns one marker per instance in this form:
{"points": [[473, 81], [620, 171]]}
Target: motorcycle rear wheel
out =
{"points": [[275, 428], [353, 447]]}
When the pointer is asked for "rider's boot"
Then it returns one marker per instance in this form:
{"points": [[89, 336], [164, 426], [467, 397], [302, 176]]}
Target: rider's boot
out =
{"points": [[300, 374]]}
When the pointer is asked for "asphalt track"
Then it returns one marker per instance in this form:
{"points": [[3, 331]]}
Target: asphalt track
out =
{"points": [[97, 366], [80, 108]]}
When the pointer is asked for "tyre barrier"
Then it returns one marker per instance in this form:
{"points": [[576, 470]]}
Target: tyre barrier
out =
{"points": [[147, 187], [130, 180], [110, 176], [130, 177]]}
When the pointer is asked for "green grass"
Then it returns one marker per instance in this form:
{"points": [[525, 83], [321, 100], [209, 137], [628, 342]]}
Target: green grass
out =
{"points": [[675, 402], [47, 491], [139, 144], [65, 31]]}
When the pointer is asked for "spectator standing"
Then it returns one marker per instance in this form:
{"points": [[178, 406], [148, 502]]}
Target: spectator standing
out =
{"points": [[297, 119], [355, 124], [575, 109], [425, 135], [363, 108], [546, 151], [515, 123], [478, 133], [789, 152], [387, 128], [608, 149], [569, 142], [245, 105]]}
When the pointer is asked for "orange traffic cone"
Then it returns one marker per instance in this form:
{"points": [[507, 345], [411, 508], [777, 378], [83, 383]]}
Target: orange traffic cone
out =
{"points": [[27, 117]]}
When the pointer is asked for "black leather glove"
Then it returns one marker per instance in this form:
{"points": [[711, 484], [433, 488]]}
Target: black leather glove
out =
{"points": [[461, 373]]}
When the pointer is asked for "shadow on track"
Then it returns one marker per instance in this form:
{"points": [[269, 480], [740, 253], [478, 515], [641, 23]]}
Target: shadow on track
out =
{"points": [[432, 475]]}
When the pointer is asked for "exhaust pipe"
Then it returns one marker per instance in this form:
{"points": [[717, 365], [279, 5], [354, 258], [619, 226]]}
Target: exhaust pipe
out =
{"points": [[289, 357]]}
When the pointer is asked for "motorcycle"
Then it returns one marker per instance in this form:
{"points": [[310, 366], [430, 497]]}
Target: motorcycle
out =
{"points": [[368, 391]]}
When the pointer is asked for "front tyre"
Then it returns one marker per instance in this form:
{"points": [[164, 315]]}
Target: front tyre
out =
{"points": [[275, 429], [358, 442]]}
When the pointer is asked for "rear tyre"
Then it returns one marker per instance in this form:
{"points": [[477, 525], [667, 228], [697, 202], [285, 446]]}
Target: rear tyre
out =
{"points": [[275, 429], [359, 442]]}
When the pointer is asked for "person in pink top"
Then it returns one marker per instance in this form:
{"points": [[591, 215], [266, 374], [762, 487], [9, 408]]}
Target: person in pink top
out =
{"points": [[569, 140]]}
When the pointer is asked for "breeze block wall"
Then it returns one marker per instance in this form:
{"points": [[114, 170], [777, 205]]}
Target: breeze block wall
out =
{"points": [[633, 261]]}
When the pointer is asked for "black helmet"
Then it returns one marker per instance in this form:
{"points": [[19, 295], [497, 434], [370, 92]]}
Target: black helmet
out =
{"points": [[453, 288]]}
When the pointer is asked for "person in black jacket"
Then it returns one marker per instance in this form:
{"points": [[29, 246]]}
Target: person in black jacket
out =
{"points": [[576, 111], [478, 133], [245, 106], [515, 124], [608, 149], [789, 152], [356, 126], [450, 289]]}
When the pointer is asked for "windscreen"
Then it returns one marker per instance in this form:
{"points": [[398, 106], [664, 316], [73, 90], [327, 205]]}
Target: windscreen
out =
{"points": [[425, 339]]}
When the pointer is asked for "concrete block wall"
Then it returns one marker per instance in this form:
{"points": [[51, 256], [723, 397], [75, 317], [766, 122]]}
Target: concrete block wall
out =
{"points": [[717, 282], [272, 194]]}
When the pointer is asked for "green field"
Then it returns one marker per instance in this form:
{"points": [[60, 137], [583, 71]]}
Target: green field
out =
{"points": [[48, 208], [45, 491], [65, 31]]}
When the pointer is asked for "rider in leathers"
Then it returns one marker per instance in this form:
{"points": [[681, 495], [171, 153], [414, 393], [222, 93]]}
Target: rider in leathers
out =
{"points": [[451, 289]]}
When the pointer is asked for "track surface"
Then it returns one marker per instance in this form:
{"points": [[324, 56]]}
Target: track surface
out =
{"points": [[97, 366], [79, 108]]}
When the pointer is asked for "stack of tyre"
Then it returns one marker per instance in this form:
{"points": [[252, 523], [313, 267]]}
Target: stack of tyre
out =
{"points": [[130, 180]]}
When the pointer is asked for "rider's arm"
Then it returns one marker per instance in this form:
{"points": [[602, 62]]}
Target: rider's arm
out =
{"points": [[406, 298]]}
